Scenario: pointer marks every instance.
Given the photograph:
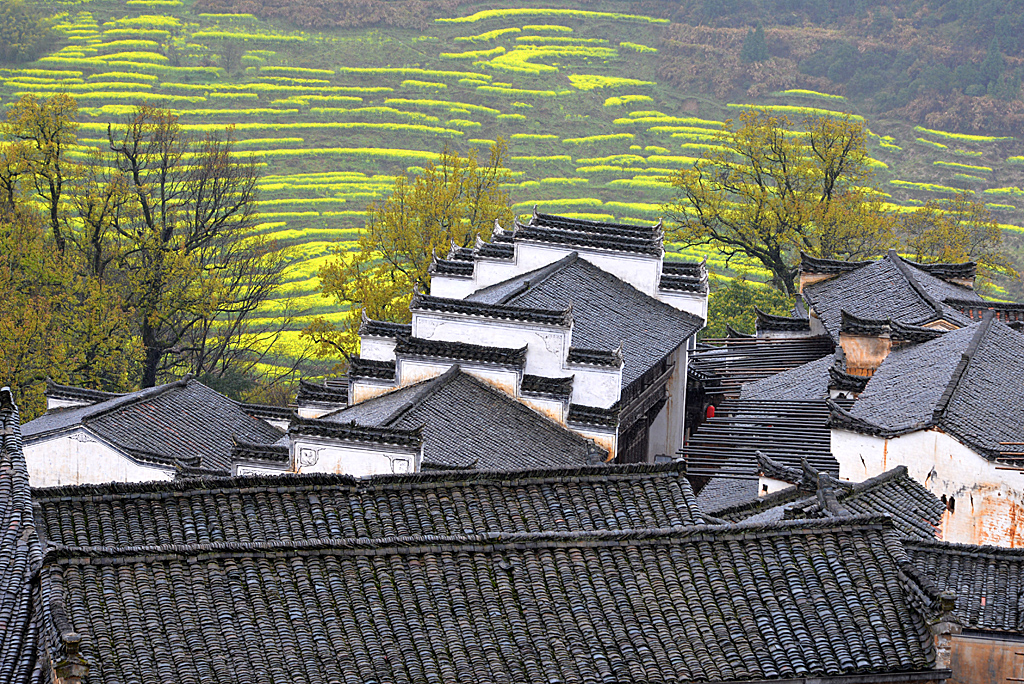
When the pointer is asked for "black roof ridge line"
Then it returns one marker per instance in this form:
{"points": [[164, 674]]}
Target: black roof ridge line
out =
{"points": [[535, 222], [897, 473], [561, 380], [762, 503], [551, 269], [374, 435], [984, 304], [904, 268], [320, 481], [844, 266], [761, 316], [844, 314], [984, 550], [433, 386], [492, 541], [238, 441], [961, 367], [246, 407], [146, 394], [147, 456], [510, 351], [79, 389], [843, 419], [516, 313], [939, 265]]}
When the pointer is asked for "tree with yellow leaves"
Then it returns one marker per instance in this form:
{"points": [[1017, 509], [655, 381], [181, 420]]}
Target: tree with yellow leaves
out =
{"points": [[956, 230], [451, 202], [771, 190]]}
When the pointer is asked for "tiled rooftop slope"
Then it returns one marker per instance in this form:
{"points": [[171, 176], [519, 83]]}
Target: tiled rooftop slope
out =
{"points": [[698, 604], [311, 507]]}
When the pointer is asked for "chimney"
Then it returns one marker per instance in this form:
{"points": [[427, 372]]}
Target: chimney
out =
{"points": [[866, 343]]}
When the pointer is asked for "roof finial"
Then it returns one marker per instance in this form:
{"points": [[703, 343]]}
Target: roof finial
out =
{"points": [[478, 242], [534, 212], [498, 230], [453, 249]]}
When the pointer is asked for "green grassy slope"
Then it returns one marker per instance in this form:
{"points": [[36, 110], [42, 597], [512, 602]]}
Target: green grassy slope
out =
{"points": [[335, 116]]}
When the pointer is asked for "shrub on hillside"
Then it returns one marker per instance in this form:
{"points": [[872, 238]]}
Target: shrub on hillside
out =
{"points": [[25, 31]]}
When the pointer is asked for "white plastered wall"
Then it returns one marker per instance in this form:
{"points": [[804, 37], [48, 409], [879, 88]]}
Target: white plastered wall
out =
{"points": [[989, 506], [377, 348], [546, 345], [240, 469], [690, 302], [554, 409], [642, 271], [607, 439], [666, 432], [361, 389], [321, 455], [79, 457], [597, 386], [452, 287], [412, 371]]}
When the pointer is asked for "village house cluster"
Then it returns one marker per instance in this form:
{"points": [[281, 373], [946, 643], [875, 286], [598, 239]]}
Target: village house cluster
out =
{"points": [[546, 477]]}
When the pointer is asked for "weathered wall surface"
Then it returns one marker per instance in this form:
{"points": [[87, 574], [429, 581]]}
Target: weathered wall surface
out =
{"points": [[79, 457], [313, 455], [988, 504], [981, 660]]}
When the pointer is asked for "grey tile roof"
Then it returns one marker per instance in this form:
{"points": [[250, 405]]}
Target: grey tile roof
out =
{"points": [[316, 393], [725, 366], [559, 388], [431, 503], [988, 582], [687, 276], [182, 422], [966, 382], [787, 431], [21, 555], [701, 604], [560, 316], [415, 346], [563, 230], [890, 288], [723, 493], [916, 512], [468, 423], [606, 311], [371, 328], [83, 394], [809, 381]]}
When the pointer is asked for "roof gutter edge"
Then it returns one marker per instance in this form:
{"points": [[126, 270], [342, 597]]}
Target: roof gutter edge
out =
{"points": [[936, 675]]}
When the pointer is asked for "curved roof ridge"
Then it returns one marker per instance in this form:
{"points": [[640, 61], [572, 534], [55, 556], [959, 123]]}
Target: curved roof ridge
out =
{"points": [[111, 405], [904, 268], [961, 368], [293, 481], [494, 540]]}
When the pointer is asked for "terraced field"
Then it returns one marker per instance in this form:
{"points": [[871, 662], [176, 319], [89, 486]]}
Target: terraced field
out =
{"points": [[333, 117]]}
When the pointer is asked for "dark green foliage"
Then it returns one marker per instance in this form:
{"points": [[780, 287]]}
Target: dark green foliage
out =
{"points": [[754, 47], [25, 32], [1007, 87], [993, 64]]}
